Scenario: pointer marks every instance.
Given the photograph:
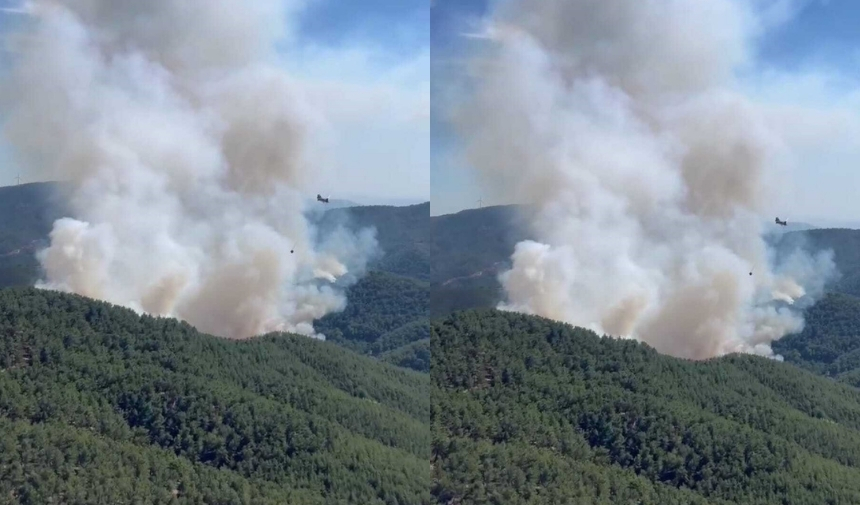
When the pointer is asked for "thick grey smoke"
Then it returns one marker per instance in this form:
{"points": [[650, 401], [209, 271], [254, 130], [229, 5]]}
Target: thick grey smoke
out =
{"points": [[621, 122], [186, 145]]}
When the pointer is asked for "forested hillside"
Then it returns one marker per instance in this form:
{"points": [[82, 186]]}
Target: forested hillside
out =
{"points": [[473, 240], [469, 250], [384, 312], [100, 405], [830, 341], [27, 213], [402, 233], [387, 312], [845, 245], [530, 411]]}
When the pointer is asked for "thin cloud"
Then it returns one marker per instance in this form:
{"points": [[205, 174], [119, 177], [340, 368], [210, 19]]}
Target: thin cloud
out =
{"points": [[26, 8]]}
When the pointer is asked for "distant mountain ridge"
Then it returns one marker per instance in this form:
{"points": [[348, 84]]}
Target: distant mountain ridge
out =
{"points": [[791, 226]]}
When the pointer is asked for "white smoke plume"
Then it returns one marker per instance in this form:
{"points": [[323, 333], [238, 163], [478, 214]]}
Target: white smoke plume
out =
{"points": [[621, 122], [186, 145]]}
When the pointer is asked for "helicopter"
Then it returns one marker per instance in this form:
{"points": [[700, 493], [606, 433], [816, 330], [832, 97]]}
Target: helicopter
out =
{"points": [[321, 199], [781, 223]]}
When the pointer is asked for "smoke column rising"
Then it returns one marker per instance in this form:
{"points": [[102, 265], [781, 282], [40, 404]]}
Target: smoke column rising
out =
{"points": [[186, 145], [621, 123]]}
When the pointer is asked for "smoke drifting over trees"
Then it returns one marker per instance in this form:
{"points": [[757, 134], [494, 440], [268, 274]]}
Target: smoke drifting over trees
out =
{"points": [[186, 145], [651, 172]]}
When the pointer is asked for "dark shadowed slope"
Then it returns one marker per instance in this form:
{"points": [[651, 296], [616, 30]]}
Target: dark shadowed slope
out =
{"points": [[415, 355], [27, 213], [469, 250], [99, 405], [830, 341], [846, 248], [379, 304], [402, 232], [390, 305], [472, 241], [530, 411]]}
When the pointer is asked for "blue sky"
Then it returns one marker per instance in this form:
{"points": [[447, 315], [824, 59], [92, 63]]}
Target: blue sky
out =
{"points": [[374, 55], [452, 187], [383, 48], [822, 32], [402, 25], [809, 58]]}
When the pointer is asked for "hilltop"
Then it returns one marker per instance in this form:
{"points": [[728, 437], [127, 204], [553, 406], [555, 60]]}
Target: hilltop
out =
{"points": [[526, 410], [471, 241]]}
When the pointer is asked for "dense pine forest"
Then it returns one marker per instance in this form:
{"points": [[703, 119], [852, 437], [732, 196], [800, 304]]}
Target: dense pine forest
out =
{"points": [[384, 312], [388, 310], [100, 405], [830, 341], [530, 411]]}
